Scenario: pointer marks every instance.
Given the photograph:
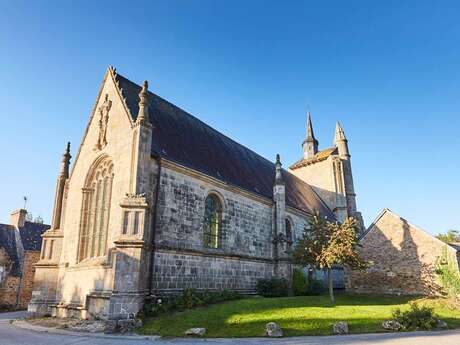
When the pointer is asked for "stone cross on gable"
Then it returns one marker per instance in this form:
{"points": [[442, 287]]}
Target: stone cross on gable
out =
{"points": [[103, 120]]}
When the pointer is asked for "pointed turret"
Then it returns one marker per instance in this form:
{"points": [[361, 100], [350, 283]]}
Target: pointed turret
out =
{"points": [[65, 163], [60, 184], [310, 144], [278, 174], [341, 142], [143, 115]]}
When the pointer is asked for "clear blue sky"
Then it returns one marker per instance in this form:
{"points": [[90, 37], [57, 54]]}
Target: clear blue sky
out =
{"points": [[388, 70]]}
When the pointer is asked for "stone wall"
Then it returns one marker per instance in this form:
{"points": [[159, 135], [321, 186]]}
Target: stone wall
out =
{"points": [[246, 223], [175, 271], [245, 255], [402, 259], [12, 285]]}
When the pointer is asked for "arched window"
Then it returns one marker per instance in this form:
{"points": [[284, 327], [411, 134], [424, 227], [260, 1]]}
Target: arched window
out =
{"points": [[288, 233], [97, 195], [212, 222]]}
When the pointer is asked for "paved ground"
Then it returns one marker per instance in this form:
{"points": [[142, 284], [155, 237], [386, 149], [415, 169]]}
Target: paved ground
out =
{"points": [[13, 335]]}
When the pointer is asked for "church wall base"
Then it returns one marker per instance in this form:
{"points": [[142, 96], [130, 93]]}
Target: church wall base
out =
{"points": [[176, 271]]}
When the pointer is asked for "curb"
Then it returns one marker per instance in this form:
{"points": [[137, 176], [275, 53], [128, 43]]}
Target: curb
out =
{"points": [[25, 325]]}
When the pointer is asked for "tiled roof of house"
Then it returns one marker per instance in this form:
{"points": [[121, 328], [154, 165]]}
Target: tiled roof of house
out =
{"points": [[31, 235], [320, 156], [184, 139], [31, 239]]}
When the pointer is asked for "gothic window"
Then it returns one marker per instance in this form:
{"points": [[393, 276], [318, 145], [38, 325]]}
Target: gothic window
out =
{"points": [[212, 227], [97, 195], [288, 233]]}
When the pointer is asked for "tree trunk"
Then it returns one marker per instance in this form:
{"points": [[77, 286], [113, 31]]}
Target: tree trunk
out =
{"points": [[331, 286], [290, 282]]}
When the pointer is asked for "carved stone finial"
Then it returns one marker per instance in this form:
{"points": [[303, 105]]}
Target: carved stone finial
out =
{"points": [[143, 115], [278, 174], [112, 69], [65, 161]]}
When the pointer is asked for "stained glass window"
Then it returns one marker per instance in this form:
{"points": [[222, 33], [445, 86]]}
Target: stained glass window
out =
{"points": [[212, 222], [97, 195]]}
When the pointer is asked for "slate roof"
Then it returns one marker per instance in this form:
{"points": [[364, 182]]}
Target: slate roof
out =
{"points": [[8, 243], [31, 239], [184, 139], [31, 235]]}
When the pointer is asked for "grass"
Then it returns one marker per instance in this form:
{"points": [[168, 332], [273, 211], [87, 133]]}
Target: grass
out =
{"points": [[306, 315]]}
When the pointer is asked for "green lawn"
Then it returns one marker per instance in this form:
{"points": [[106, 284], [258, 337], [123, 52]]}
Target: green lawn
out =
{"points": [[308, 315]]}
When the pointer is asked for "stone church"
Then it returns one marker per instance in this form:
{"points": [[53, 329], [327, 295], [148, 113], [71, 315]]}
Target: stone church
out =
{"points": [[158, 201]]}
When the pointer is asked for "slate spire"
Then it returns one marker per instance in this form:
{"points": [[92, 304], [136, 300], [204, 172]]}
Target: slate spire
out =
{"points": [[310, 144]]}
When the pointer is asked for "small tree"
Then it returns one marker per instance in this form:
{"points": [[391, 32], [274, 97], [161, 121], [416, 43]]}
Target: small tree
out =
{"points": [[309, 247], [326, 244]]}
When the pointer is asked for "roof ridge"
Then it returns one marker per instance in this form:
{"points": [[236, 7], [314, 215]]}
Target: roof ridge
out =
{"points": [[201, 121], [300, 201]]}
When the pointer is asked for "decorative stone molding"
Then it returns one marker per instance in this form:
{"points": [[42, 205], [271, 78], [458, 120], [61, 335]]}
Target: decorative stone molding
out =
{"points": [[134, 217], [104, 110]]}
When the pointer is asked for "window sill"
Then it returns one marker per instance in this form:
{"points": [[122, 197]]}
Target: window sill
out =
{"points": [[90, 263]]}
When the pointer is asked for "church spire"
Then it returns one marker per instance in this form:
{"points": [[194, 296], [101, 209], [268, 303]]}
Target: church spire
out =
{"points": [[310, 144], [341, 142], [143, 115]]}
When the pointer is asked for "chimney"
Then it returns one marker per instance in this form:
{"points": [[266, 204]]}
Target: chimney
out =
{"points": [[18, 218]]}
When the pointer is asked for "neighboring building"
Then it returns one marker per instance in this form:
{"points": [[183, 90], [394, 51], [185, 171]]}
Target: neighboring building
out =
{"points": [[20, 245], [158, 201], [402, 258]]}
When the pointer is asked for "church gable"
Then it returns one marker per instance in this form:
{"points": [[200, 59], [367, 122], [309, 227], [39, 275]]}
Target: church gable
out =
{"points": [[109, 137]]}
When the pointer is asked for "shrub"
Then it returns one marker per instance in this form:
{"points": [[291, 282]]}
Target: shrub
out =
{"points": [[418, 317], [189, 299], [273, 287], [299, 282], [315, 287], [447, 272]]}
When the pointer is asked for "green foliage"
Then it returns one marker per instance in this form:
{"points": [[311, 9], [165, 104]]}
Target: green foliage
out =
{"points": [[314, 239], [418, 317], [304, 287], [325, 244], [315, 287], [189, 299], [299, 282], [451, 236], [341, 248], [297, 316], [273, 287], [447, 272]]}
